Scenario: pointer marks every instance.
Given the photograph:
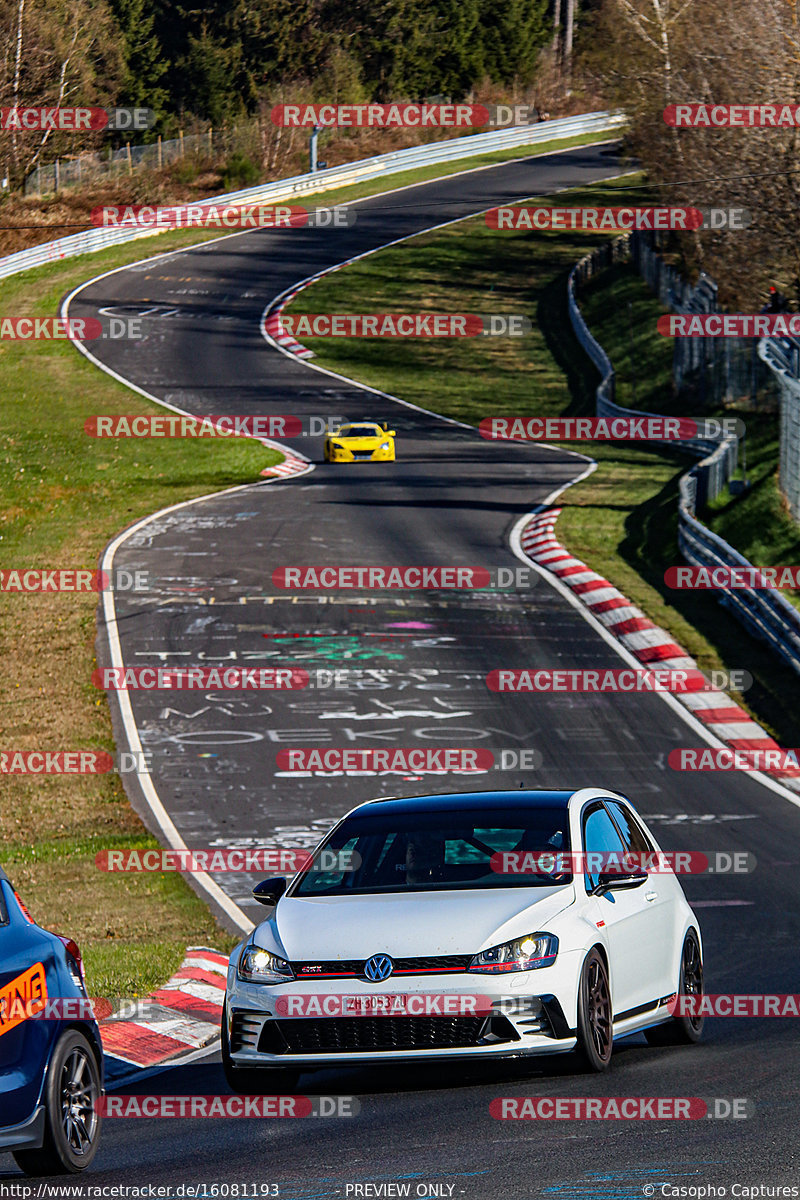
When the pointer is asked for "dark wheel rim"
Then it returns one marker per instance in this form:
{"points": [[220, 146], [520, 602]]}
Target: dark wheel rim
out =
{"points": [[78, 1094], [598, 1009], [692, 977]]}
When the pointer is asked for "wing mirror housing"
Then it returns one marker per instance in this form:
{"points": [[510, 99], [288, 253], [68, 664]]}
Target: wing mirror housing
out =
{"points": [[612, 881], [269, 891]]}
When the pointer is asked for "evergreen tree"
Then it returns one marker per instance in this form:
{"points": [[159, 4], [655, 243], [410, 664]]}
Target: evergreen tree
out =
{"points": [[144, 67], [513, 33]]}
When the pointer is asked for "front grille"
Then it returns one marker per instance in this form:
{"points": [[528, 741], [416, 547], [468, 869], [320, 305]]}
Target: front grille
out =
{"points": [[442, 964], [245, 1030], [311, 1036]]}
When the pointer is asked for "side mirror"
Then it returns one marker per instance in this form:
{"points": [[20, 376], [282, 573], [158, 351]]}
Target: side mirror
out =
{"points": [[612, 881], [392, 432], [269, 891]]}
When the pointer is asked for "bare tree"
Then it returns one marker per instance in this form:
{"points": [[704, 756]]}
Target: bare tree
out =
{"points": [[65, 52]]}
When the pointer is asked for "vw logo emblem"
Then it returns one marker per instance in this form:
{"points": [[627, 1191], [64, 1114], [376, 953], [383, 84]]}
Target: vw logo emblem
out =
{"points": [[378, 968]]}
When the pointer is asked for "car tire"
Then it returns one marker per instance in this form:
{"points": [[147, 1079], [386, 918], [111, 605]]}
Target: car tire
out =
{"points": [[254, 1081], [683, 1030], [72, 1122], [595, 1015]]}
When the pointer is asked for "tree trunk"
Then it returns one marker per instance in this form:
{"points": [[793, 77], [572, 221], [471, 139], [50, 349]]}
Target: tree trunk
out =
{"points": [[557, 28], [569, 33], [17, 74]]}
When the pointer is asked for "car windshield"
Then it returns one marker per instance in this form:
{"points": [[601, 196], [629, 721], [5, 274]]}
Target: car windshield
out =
{"points": [[359, 431], [433, 851]]}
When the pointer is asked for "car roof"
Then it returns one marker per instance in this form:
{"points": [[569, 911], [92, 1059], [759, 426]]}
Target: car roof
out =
{"points": [[465, 802]]}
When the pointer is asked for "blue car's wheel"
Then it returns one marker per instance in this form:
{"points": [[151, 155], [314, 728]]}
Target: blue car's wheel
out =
{"points": [[72, 1122]]}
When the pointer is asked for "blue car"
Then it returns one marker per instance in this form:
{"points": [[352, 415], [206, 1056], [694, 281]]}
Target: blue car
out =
{"points": [[51, 1056]]}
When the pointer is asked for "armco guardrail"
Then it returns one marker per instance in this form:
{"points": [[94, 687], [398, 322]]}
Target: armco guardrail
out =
{"points": [[767, 614], [782, 356], [718, 456], [320, 181]]}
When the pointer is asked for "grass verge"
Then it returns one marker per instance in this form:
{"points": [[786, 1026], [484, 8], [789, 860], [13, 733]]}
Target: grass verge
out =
{"points": [[623, 519], [63, 496]]}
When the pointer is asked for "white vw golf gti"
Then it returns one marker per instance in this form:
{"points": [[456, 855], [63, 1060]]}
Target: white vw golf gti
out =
{"points": [[479, 925]]}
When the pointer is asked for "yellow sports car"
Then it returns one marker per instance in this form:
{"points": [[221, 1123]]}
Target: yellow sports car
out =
{"points": [[362, 441]]}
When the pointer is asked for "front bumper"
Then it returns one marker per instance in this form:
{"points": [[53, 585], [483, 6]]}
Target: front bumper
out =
{"points": [[527, 1017], [349, 456]]}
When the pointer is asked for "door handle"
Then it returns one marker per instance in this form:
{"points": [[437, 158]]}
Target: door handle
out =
{"points": [[651, 896]]}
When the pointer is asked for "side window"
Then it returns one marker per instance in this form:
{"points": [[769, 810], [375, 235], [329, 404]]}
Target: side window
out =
{"points": [[600, 836], [3, 908], [632, 835]]}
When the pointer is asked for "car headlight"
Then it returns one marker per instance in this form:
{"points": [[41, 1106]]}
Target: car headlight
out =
{"points": [[523, 954], [259, 966], [337, 446], [385, 445]]}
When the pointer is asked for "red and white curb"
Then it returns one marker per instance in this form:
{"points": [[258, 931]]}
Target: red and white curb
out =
{"points": [[291, 465], [648, 642], [274, 332], [181, 1016], [273, 327]]}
